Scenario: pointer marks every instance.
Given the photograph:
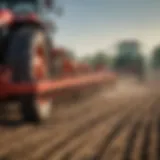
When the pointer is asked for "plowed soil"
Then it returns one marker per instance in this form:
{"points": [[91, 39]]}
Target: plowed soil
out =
{"points": [[117, 124]]}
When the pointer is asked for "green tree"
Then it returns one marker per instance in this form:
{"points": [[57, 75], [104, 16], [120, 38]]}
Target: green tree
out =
{"points": [[156, 58], [127, 60], [86, 59], [97, 58], [100, 58], [71, 54]]}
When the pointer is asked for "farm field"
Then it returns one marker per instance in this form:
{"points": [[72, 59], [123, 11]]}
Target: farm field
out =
{"points": [[117, 124]]}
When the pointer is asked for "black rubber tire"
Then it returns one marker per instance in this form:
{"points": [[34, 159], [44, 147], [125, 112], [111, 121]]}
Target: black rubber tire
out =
{"points": [[19, 56]]}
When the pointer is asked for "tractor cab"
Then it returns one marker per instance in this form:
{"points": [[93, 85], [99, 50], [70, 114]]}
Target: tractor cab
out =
{"points": [[24, 13], [23, 10], [26, 6]]}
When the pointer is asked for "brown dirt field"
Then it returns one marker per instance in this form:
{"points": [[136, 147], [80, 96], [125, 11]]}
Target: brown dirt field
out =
{"points": [[118, 124]]}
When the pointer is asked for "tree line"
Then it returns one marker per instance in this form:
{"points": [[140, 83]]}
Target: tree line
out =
{"points": [[123, 60]]}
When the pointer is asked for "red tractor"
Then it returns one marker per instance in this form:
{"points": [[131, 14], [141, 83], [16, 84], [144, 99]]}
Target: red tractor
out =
{"points": [[25, 48], [27, 60]]}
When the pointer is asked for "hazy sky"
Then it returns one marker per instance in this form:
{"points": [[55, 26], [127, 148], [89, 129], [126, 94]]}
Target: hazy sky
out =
{"points": [[90, 25]]}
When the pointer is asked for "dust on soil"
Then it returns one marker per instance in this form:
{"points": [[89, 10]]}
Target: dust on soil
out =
{"points": [[117, 124]]}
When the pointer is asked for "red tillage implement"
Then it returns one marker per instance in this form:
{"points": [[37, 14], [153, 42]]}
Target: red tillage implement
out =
{"points": [[9, 89], [35, 107]]}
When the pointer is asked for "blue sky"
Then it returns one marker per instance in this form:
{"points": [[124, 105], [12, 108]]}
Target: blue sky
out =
{"points": [[91, 25]]}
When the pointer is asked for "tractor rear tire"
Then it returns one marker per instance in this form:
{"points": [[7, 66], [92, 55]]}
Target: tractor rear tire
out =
{"points": [[23, 56]]}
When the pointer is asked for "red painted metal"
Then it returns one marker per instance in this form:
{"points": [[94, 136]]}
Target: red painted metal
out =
{"points": [[8, 89], [5, 74], [32, 17], [6, 17]]}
